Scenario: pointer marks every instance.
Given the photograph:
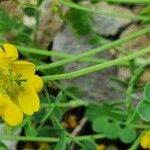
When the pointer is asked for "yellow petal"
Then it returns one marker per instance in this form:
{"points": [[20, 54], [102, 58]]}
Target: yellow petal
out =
{"points": [[28, 101], [4, 100], [10, 51], [144, 141], [36, 82], [12, 114], [24, 68], [2, 54]]}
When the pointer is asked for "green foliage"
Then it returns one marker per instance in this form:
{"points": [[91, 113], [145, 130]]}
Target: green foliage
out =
{"points": [[99, 124], [146, 12], [95, 111], [113, 120], [147, 92], [143, 107], [12, 29], [62, 142], [29, 129], [80, 21], [111, 130], [3, 146], [30, 11], [143, 110], [88, 145], [127, 135], [82, 24]]}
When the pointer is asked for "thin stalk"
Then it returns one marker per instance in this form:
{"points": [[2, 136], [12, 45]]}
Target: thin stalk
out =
{"points": [[50, 139], [97, 67], [136, 75], [144, 2], [133, 17], [72, 103], [96, 50], [55, 54]]}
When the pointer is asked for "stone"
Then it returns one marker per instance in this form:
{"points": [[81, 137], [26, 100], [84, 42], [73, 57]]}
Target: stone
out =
{"points": [[9, 143], [96, 86], [107, 25], [132, 46], [49, 24]]}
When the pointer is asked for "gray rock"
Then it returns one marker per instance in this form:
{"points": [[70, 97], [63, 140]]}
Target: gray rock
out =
{"points": [[49, 24], [107, 25], [11, 145], [94, 86]]}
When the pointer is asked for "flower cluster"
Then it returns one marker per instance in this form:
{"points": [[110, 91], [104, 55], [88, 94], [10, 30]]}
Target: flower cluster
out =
{"points": [[145, 140], [18, 86]]}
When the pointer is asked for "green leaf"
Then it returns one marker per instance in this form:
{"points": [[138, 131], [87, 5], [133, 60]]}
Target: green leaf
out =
{"points": [[61, 145], [146, 13], [80, 21], [30, 11], [111, 130], [147, 92], [94, 111], [39, 116], [3, 146], [88, 145], [94, 1], [143, 110], [4, 15], [5, 26], [99, 123], [29, 129], [39, 2], [127, 135], [73, 90]]}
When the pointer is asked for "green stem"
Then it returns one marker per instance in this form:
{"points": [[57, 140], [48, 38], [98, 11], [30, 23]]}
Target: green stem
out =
{"points": [[72, 104], [77, 103], [96, 50], [44, 52], [137, 73], [50, 139], [71, 4], [97, 67], [129, 1]]}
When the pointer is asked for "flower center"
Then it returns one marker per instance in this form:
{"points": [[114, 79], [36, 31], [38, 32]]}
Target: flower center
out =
{"points": [[10, 83]]}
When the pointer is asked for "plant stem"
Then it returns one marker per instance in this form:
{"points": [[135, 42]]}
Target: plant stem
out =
{"points": [[97, 67], [50, 139], [72, 104], [133, 17], [44, 52], [129, 1], [96, 50], [136, 75]]}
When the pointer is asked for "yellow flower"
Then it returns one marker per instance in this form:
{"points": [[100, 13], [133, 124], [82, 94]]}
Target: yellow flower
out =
{"points": [[100, 147], [145, 140], [18, 86]]}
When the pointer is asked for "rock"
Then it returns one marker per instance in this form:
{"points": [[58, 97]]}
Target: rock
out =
{"points": [[107, 25], [49, 21], [132, 46], [9, 143], [138, 43], [49, 24], [12, 7], [95, 86]]}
